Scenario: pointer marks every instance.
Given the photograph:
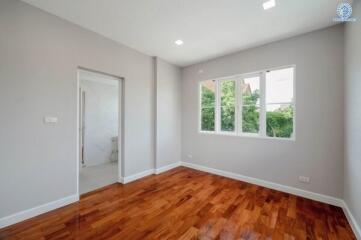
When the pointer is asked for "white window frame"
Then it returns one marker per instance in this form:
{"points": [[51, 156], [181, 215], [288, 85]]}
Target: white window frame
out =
{"points": [[238, 105]]}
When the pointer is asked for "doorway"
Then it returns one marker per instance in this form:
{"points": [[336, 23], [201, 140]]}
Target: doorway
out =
{"points": [[99, 118]]}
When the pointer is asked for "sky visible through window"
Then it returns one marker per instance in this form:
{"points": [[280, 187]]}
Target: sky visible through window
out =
{"points": [[279, 86]]}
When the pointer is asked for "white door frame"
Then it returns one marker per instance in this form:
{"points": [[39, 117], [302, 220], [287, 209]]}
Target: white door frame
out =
{"points": [[120, 124]]}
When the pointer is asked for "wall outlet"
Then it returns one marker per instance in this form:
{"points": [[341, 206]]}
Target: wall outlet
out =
{"points": [[189, 156], [304, 179]]}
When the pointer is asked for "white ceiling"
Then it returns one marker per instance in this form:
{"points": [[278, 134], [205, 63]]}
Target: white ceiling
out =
{"points": [[209, 28]]}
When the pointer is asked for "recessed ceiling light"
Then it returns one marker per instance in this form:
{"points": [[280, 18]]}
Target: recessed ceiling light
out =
{"points": [[269, 4], [179, 42]]}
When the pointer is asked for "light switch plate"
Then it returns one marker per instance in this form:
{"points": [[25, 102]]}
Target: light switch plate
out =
{"points": [[50, 120]]}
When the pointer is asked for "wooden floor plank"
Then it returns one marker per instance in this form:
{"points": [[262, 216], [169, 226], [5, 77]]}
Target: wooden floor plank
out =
{"points": [[186, 204]]}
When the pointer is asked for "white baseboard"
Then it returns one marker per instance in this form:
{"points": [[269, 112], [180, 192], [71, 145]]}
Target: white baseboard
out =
{"points": [[167, 168], [145, 173], [279, 187], [121, 180], [32, 212], [355, 227], [136, 176]]}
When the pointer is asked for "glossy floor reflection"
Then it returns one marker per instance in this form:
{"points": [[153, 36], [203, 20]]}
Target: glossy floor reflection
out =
{"points": [[187, 204]]}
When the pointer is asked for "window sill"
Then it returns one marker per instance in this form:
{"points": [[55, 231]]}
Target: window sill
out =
{"points": [[245, 135]]}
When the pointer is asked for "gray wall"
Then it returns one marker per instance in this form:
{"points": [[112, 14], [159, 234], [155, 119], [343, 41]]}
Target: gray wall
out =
{"points": [[168, 129], [39, 56], [318, 149], [353, 114]]}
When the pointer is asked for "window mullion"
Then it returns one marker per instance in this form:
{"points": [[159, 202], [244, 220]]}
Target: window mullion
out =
{"points": [[263, 105]]}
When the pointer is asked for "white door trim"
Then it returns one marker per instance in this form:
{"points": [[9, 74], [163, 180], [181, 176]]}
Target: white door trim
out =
{"points": [[120, 124]]}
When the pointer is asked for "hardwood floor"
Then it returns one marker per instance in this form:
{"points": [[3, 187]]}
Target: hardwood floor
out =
{"points": [[186, 204]]}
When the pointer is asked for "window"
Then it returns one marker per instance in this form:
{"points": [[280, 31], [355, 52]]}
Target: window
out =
{"points": [[260, 104], [208, 105], [250, 90], [228, 105], [279, 103]]}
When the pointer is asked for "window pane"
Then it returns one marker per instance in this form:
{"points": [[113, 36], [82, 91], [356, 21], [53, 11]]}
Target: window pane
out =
{"points": [[208, 104], [228, 100], [208, 93], [250, 119], [250, 90], [227, 119], [208, 116], [279, 120], [279, 86], [228, 95]]}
